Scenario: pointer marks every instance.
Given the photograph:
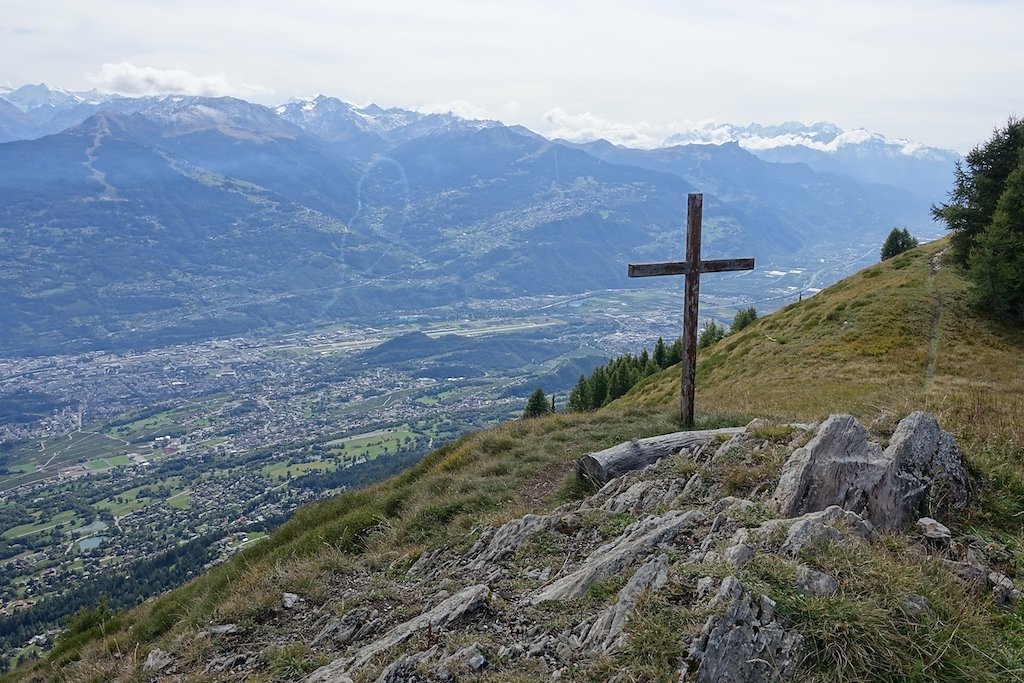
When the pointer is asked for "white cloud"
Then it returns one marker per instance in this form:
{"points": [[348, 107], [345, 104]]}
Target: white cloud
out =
{"points": [[127, 79], [587, 127], [462, 108]]}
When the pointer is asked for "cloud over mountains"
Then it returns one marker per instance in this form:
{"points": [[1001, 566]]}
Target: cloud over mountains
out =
{"points": [[125, 78]]}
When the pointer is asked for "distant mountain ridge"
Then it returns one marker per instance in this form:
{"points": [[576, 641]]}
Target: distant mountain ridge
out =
{"points": [[155, 220], [825, 147]]}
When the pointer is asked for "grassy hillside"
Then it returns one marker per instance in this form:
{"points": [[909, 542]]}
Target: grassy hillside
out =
{"points": [[896, 337]]}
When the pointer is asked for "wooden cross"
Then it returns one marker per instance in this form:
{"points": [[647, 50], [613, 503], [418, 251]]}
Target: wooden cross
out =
{"points": [[692, 267]]}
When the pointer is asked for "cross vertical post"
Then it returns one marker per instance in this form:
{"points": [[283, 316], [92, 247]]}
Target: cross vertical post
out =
{"points": [[688, 380], [692, 267]]}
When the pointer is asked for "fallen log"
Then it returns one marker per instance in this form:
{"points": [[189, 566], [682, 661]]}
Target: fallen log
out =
{"points": [[603, 466]]}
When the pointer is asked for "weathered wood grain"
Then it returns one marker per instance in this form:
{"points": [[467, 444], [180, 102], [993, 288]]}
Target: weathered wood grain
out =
{"points": [[692, 267], [602, 466]]}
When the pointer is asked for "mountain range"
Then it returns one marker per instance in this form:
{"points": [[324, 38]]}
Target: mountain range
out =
{"points": [[153, 220]]}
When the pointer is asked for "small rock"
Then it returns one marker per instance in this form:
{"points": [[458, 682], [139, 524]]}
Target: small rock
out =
{"points": [[934, 531], [538, 646], [815, 527], [970, 573], [1003, 590], [813, 582], [705, 585], [467, 658], [732, 504], [218, 630], [918, 604], [739, 555], [157, 660], [225, 663], [403, 669], [289, 600]]}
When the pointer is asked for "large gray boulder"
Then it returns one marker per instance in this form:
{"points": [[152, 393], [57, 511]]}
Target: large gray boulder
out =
{"points": [[921, 472]]}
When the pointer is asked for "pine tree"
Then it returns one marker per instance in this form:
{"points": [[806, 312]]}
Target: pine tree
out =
{"points": [[536, 405], [621, 381], [579, 398], [898, 241], [743, 318], [598, 388], [978, 187], [660, 353], [997, 258], [711, 333], [675, 354]]}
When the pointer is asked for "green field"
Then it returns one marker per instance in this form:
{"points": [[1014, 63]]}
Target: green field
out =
{"points": [[279, 471], [36, 460], [67, 516], [107, 463], [181, 500], [130, 501], [374, 445]]}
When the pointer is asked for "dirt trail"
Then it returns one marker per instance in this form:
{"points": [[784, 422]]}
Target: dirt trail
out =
{"points": [[934, 264]]}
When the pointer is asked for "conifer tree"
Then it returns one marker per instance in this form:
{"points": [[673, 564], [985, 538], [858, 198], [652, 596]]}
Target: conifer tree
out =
{"points": [[579, 398], [661, 353], [711, 333], [675, 354], [743, 318], [978, 187], [598, 388], [997, 258], [536, 405], [898, 241]]}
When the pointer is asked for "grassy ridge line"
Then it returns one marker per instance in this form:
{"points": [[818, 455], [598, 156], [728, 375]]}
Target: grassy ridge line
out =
{"points": [[861, 346]]}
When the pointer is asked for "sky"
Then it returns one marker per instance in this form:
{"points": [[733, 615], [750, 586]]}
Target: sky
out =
{"points": [[944, 73]]}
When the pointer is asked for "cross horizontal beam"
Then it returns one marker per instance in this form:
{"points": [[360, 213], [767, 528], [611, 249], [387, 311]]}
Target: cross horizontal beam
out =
{"points": [[683, 267]]}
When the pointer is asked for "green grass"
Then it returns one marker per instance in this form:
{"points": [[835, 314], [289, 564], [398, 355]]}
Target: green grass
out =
{"points": [[66, 517], [372, 447], [180, 500], [282, 470]]}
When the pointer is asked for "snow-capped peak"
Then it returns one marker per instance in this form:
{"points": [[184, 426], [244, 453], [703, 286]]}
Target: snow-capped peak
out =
{"points": [[821, 136]]}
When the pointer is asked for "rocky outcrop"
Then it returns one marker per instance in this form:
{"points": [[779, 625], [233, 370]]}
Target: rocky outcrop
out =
{"points": [[497, 544], [639, 539], [354, 626], [921, 471], [831, 524], [516, 601], [607, 632], [465, 602], [743, 644]]}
